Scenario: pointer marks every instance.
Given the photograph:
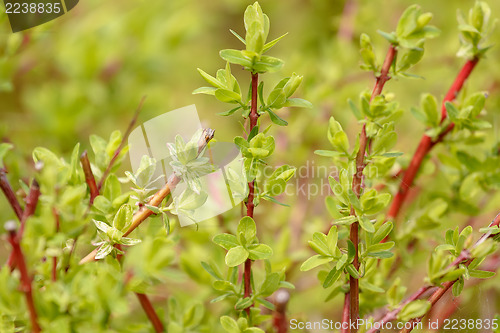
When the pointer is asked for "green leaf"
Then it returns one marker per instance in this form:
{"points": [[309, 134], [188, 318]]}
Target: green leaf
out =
{"points": [[408, 21], [238, 36], [229, 324], [104, 227], [243, 303], [414, 309], [205, 90], [458, 287], [123, 217], [275, 118], [210, 79], [366, 224], [227, 241], [351, 251], [430, 107], [248, 228], [259, 251], [381, 255], [4, 148], [211, 270], [478, 274], [270, 284], [129, 241], [223, 285], [329, 153], [227, 96], [380, 247], [332, 277], [236, 57], [391, 37], [370, 287], [314, 262], [267, 64], [267, 46], [236, 256], [345, 220], [320, 244], [352, 271], [337, 136], [298, 103], [382, 232], [104, 250]]}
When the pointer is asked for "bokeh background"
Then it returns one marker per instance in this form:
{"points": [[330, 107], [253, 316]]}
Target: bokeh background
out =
{"points": [[85, 73]]}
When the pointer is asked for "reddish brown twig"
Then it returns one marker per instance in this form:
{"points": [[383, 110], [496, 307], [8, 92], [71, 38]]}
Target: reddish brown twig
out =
{"points": [[143, 213], [31, 203], [9, 194], [281, 298], [150, 312], [464, 258], [346, 314], [426, 143], [24, 276], [89, 176], [122, 144], [392, 315], [254, 116], [357, 183]]}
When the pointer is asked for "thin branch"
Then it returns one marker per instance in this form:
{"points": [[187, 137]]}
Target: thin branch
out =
{"points": [[254, 117], [143, 213], [438, 292], [31, 203], [9, 194], [426, 143], [281, 298], [392, 315], [357, 183], [150, 312], [122, 144], [346, 314], [89, 176], [24, 276]]}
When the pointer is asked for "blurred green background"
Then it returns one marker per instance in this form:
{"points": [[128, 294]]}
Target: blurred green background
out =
{"points": [[85, 72]]}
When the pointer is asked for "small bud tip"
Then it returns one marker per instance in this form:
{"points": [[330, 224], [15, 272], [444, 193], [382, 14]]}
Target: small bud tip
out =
{"points": [[10, 226]]}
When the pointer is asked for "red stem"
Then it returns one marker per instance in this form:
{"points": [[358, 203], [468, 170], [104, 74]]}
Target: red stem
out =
{"points": [[254, 116], [346, 314], [25, 279], [150, 312], [281, 298], [392, 315], [9, 194], [89, 176], [464, 258], [426, 143], [31, 203], [357, 183]]}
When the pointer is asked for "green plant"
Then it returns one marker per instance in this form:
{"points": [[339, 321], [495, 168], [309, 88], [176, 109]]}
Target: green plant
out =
{"points": [[244, 247], [99, 248], [354, 205]]}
